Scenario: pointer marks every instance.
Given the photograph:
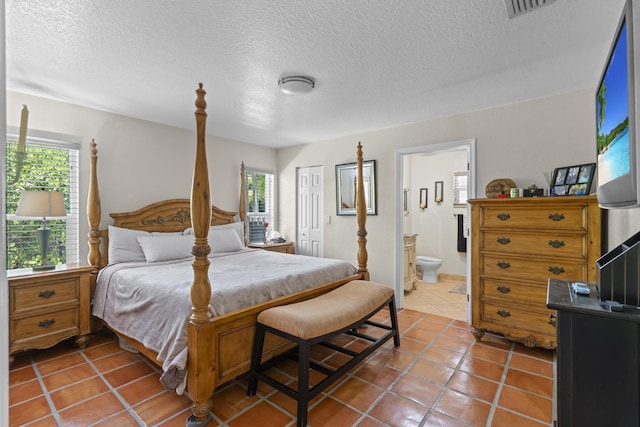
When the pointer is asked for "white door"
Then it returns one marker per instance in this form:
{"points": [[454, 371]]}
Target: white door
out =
{"points": [[309, 228]]}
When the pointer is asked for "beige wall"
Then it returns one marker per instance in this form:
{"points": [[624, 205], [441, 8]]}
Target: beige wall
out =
{"points": [[140, 162], [519, 141]]}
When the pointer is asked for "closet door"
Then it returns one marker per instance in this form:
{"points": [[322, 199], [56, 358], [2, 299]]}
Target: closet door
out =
{"points": [[309, 214]]}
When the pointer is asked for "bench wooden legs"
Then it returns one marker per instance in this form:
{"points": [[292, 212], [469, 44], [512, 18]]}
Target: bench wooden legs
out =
{"points": [[302, 353]]}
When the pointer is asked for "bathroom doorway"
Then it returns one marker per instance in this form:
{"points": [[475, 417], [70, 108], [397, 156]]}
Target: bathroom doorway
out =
{"points": [[431, 204]]}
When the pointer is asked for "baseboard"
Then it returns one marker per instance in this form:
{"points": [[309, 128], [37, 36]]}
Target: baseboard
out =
{"points": [[446, 276]]}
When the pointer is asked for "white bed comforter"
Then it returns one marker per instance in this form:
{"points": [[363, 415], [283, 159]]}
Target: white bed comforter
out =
{"points": [[151, 302]]}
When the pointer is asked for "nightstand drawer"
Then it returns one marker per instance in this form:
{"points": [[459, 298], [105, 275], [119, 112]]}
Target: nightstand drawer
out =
{"points": [[44, 294], [54, 323]]}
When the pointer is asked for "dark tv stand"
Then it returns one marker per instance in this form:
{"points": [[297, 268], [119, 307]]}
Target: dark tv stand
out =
{"points": [[598, 382]]}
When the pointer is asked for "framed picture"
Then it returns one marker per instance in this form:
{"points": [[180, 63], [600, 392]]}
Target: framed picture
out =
{"points": [[346, 184], [572, 180]]}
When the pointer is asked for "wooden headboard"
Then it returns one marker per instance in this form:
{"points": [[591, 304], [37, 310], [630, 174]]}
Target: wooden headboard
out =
{"points": [[166, 216], [163, 216]]}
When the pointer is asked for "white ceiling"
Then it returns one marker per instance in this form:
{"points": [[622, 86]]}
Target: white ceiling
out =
{"points": [[377, 63]]}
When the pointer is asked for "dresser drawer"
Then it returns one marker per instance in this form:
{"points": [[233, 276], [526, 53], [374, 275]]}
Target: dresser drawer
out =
{"points": [[27, 297], [513, 292], [64, 321], [510, 315], [551, 217], [537, 270], [553, 244]]}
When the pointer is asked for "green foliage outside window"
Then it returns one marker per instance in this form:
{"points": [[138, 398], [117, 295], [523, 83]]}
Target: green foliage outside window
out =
{"points": [[256, 193], [45, 168]]}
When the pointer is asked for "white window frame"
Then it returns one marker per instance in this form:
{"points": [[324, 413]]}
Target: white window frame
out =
{"points": [[269, 214], [72, 219]]}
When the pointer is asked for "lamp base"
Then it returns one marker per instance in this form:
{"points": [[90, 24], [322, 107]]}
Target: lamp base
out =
{"points": [[44, 267]]}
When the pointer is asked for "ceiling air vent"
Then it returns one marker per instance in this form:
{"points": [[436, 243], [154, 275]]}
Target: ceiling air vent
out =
{"points": [[518, 7]]}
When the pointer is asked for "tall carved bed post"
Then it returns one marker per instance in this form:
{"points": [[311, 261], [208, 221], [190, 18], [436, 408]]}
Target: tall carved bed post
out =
{"points": [[242, 208], [201, 375], [361, 212], [93, 213]]}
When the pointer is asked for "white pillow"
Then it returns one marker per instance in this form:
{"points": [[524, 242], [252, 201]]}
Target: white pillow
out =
{"points": [[158, 248], [224, 240], [237, 226], [123, 245]]}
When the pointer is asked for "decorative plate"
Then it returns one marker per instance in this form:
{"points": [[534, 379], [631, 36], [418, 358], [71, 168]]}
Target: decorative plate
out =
{"points": [[497, 186]]}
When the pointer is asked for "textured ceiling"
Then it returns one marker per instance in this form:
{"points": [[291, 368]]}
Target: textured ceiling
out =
{"points": [[377, 63]]}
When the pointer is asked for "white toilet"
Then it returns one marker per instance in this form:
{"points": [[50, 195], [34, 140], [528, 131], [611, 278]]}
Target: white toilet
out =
{"points": [[429, 267]]}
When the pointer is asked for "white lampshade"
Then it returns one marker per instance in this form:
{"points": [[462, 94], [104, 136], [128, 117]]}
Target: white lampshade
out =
{"points": [[41, 204]]}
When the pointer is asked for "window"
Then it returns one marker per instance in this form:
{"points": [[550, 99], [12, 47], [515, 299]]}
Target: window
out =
{"points": [[260, 204], [460, 189], [51, 164]]}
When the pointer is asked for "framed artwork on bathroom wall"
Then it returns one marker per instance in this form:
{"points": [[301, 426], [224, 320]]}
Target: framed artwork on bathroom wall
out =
{"points": [[424, 201], [439, 189]]}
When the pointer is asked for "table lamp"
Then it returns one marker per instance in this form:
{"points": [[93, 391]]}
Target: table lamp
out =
{"points": [[42, 204]]}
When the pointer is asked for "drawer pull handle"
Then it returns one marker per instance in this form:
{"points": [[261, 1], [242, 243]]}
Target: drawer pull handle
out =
{"points": [[503, 265], [552, 319], [47, 323], [503, 216], [504, 289], [504, 240], [556, 270], [503, 313], [556, 243], [556, 217], [47, 294]]}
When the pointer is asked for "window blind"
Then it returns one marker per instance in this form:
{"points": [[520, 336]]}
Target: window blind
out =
{"points": [[460, 189], [260, 204], [50, 165]]}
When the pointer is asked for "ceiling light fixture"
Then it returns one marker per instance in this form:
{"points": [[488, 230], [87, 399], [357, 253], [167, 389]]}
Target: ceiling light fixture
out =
{"points": [[296, 85]]}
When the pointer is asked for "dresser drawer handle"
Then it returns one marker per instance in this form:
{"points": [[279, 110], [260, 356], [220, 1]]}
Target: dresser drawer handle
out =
{"points": [[47, 294], [503, 216], [504, 289], [47, 323], [556, 243], [552, 319], [556, 217], [504, 240], [556, 270], [503, 265], [503, 313]]}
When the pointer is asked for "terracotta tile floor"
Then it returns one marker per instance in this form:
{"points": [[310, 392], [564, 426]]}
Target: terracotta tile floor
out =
{"points": [[435, 298], [439, 376]]}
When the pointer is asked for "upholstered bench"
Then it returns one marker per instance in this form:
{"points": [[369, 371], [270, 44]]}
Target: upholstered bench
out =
{"points": [[316, 321]]}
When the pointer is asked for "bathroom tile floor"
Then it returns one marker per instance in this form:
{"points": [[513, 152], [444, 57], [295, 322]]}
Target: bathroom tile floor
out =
{"points": [[435, 298], [439, 376]]}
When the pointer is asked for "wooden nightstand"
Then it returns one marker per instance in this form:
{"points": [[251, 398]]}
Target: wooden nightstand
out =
{"points": [[46, 307], [285, 247]]}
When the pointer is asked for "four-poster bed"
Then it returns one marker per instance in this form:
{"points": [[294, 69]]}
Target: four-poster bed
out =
{"points": [[218, 342]]}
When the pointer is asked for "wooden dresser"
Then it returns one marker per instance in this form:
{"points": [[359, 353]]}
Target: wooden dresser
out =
{"points": [[284, 247], [48, 306], [517, 245], [410, 277]]}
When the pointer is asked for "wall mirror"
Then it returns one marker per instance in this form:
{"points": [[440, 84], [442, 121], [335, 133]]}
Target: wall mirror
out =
{"points": [[346, 182]]}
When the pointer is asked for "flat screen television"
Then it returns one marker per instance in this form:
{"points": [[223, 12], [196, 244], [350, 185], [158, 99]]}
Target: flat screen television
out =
{"points": [[616, 120]]}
